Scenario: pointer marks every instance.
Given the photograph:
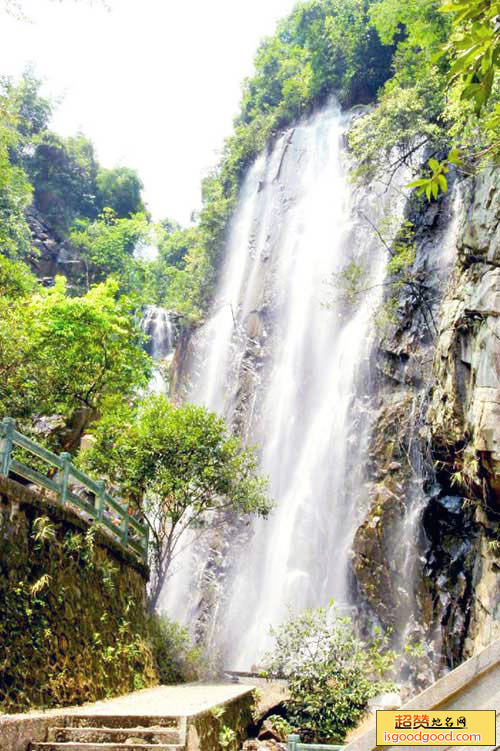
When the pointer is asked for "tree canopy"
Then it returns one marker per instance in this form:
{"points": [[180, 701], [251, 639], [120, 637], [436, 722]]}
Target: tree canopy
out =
{"points": [[60, 353], [120, 189], [176, 464]]}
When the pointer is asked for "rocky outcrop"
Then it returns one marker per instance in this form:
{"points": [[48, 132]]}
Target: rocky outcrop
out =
{"points": [[435, 464], [464, 414], [50, 255], [465, 409]]}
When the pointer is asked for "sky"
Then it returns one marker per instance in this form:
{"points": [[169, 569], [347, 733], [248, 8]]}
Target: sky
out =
{"points": [[155, 84]]}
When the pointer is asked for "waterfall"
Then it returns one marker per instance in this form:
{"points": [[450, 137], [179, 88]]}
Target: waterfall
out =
{"points": [[283, 359], [157, 326]]}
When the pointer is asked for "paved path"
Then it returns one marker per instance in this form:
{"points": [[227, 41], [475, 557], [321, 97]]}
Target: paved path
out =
{"points": [[168, 701], [165, 701]]}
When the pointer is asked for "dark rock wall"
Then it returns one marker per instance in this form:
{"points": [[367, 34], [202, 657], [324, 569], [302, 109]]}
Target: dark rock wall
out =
{"points": [[426, 556], [73, 625]]}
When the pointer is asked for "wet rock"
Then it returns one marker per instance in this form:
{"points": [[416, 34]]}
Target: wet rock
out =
{"points": [[455, 369]]}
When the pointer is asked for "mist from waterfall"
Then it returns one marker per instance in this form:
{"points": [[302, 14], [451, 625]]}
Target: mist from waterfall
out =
{"points": [[283, 359]]}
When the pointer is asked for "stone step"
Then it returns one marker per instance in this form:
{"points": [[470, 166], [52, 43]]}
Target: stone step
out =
{"points": [[120, 721], [69, 746], [152, 734]]}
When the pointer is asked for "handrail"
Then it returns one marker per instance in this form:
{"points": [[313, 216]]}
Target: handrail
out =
{"points": [[106, 510], [294, 744]]}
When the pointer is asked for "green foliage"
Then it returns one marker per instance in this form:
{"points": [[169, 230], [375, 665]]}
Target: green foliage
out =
{"points": [[33, 111], [436, 181], [407, 118], [409, 115], [474, 48], [120, 189], [280, 726], [63, 173], [323, 47], [107, 246], [43, 530], [177, 659], [15, 190], [60, 353], [175, 464], [227, 736], [16, 280], [331, 673], [445, 86], [348, 284], [415, 24]]}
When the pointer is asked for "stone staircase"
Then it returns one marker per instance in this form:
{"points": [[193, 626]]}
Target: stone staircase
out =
{"points": [[118, 733]]}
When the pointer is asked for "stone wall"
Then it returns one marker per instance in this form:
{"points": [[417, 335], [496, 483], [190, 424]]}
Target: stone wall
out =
{"points": [[73, 624]]}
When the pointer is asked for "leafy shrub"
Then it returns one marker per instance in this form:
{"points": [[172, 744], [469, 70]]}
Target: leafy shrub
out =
{"points": [[331, 673], [177, 659]]}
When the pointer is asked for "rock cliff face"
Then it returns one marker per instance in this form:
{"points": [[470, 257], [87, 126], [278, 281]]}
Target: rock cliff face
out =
{"points": [[426, 557]]}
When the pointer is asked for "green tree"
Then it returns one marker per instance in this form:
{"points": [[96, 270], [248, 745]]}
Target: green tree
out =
{"points": [[120, 189], [63, 173], [330, 672], [15, 189], [33, 110], [107, 246], [474, 48], [59, 354], [410, 113], [175, 465], [445, 91]]}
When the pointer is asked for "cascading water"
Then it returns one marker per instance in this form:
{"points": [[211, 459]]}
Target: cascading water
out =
{"points": [[157, 326], [283, 368]]}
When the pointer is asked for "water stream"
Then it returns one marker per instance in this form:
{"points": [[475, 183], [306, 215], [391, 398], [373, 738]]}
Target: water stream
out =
{"points": [[157, 326], [282, 358]]}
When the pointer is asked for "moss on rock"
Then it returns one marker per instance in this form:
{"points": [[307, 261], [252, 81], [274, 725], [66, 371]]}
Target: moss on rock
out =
{"points": [[74, 622]]}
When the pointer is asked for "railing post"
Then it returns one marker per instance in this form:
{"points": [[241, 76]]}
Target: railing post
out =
{"points": [[99, 499], [7, 428], [292, 742], [124, 524], [65, 469]]}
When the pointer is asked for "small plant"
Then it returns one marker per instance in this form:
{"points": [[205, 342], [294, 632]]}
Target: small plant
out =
{"points": [[89, 546], [108, 573], [494, 546], [138, 682], [281, 727], [176, 657], [217, 711], [331, 673], [227, 736], [435, 181], [43, 530], [73, 542], [42, 583]]}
